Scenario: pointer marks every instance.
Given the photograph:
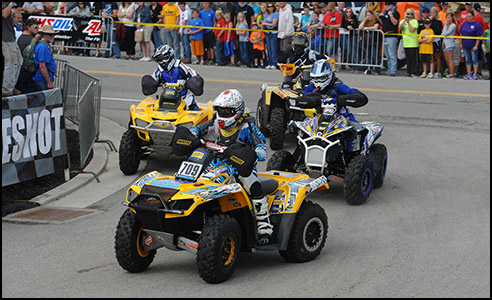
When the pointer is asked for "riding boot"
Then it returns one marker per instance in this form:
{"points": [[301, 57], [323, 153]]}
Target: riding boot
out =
{"points": [[265, 229]]}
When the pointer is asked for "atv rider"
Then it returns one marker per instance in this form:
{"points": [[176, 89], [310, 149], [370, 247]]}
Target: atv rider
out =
{"points": [[231, 126], [300, 55], [169, 69]]}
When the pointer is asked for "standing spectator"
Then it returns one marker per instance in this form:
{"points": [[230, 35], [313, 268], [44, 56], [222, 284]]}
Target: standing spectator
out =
{"points": [[270, 22], [81, 10], [305, 18], [443, 13], [341, 7], [425, 6], [44, 61], [470, 46], [229, 36], [463, 18], [479, 19], [249, 16], [426, 52], [408, 27], [196, 36], [256, 9], [243, 37], [486, 34], [390, 18], [208, 16], [285, 26], [126, 13], [351, 43], [184, 32], [315, 28], [261, 16], [171, 17], [322, 10], [219, 38], [155, 11], [436, 26], [257, 38], [449, 43], [110, 10], [11, 53], [31, 27], [142, 15], [372, 40], [316, 9], [332, 20], [425, 13]]}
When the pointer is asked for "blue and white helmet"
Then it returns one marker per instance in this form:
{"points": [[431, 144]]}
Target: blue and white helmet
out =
{"points": [[229, 106], [322, 76], [165, 57]]}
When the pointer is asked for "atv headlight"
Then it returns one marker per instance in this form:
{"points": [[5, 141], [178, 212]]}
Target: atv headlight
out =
{"points": [[183, 204], [130, 196], [141, 123]]}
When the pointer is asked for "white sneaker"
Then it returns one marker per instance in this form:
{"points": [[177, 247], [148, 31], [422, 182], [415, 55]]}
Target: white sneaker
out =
{"points": [[142, 59]]}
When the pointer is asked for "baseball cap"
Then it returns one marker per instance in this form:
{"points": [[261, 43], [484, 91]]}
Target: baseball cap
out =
{"points": [[254, 23], [468, 3], [32, 21], [427, 21], [425, 10], [322, 4], [477, 6]]}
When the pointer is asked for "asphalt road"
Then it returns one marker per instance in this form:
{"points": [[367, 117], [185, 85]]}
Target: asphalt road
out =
{"points": [[424, 233]]}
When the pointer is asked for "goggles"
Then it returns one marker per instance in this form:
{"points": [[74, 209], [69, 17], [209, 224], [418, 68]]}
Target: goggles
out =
{"points": [[225, 112]]}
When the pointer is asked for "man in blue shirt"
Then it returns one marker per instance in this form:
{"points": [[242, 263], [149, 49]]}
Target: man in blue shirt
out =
{"points": [[208, 17], [44, 61]]}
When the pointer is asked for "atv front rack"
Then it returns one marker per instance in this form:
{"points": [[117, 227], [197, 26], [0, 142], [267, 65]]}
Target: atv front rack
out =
{"points": [[162, 131]]}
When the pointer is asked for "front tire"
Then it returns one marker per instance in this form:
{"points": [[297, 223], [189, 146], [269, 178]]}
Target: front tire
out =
{"points": [[308, 234], [277, 125], [358, 181], [218, 248], [130, 152], [281, 161], [259, 119], [128, 244]]}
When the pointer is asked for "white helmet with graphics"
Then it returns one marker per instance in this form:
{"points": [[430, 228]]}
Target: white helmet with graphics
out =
{"points": [[229, 106], [322, 76], [165, 57]]}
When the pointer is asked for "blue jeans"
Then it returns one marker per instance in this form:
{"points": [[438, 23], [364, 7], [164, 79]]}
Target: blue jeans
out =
{"points": [[332, 47], [112, 44], [389, 46], [186, 44], [172, 40], [271, 41], [471, 56], [219, 52], [373, 56], [353, 51], [243, 49], [39, 86], [156, 34]]}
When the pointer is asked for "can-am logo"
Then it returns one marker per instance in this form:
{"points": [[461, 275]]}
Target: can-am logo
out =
{"points": [[93, 28], [59, 24]]}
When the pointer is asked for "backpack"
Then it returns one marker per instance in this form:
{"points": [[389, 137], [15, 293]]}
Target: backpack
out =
{"points": [[28, 63]]}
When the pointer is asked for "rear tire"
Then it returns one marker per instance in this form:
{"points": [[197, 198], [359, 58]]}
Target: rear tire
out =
{"points": [[281, 161], [218, 248], [259, 117], [308, 235], [130, 152], [358, 181], [382, 158], [277, 132], [128, 241]]}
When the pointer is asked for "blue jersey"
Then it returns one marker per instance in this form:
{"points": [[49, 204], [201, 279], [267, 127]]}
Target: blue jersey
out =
{"points": [[43, 53]]}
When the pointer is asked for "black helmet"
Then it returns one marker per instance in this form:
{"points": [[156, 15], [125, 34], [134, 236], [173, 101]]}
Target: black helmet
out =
{"points": [[300, 42], [164, 56]]}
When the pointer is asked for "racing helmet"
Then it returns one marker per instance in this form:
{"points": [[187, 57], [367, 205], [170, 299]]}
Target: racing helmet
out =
{"points": [[300, 42], [322, 76], [229, 106], [164, 56]]}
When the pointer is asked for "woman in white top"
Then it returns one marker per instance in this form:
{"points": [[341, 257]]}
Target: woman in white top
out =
{"points": [[126, 14], [449, 44]]}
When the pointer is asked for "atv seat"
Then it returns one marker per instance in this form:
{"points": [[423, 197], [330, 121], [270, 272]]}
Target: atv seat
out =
{"points": [[268, 185]]}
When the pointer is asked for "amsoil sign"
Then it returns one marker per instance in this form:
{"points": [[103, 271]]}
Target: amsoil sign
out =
{"points": [[75, 29]]}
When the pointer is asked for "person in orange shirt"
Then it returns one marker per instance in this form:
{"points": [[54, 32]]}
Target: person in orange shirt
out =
{"points": [[257, 38], [170, 13], [442, 13]]}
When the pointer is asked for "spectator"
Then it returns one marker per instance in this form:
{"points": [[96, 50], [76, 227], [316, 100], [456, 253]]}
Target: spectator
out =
{"points": [[486, 34], [332, 20], [17, 21], [228, 39], [243, 37], [110, 10], [25, 82], [11, 53], [261, 16], [471, 28], [341, 7], [425, 13], [256, 9], [81, 10], [315, 29], [208, 16], [126, 13], [249, 16], [449, 43], [479, 19], [436, 26], [408, 27], [32, 8], [142, 15], [316, 9], [44, 61], [155, 11], [443, 12], [425, 6], [257, 38], [184, 33], [362, 12], [285, 26], [305, 18], [374, 6], [372, 40], [196, 36], [322, 10], [219, 38], [228, 7], [350, 22], [270, 22], [426, 49], [49, 8], [171, 17], [463, 17], [390, 18]]}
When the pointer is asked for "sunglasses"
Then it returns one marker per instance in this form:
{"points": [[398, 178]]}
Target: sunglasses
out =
{"points": [[409, 14], [34, 26], [269, 6]]}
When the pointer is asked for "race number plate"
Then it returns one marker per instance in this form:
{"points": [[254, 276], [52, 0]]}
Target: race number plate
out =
{"points": [[189, 170]]}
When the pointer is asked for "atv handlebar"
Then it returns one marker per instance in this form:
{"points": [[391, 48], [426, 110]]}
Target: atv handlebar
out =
{"points": [[214, 147]]}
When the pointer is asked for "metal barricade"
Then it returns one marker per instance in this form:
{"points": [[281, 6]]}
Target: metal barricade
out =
{"points": [[355, 48], [60, 73]]}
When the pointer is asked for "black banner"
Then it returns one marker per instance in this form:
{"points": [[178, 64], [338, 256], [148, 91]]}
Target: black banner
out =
{"points": [[73, 28]]}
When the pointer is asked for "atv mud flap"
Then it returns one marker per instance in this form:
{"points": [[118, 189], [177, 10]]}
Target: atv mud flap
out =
{"points": [[161, 132], [159, 239]]}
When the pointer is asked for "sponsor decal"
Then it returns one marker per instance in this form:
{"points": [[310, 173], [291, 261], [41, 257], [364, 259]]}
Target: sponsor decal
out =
{"points": [[198, 155], [142, 181], [237, 160], [183, 142], [148, 240]]}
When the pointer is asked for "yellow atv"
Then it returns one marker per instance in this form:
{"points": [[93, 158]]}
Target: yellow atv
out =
{"points": [[277, 105], [203, 209], [153, 123]]}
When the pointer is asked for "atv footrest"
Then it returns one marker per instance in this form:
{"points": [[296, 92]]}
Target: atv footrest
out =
{"points": [[269, 247]]}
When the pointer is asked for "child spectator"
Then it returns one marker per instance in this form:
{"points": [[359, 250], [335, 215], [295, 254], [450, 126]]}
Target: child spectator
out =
{"points": [[315, 29], [219, 38], [243, 37], [196, 36], [229, 36], [208, 17], [258, 39], [426, 49], [306, 16]]}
